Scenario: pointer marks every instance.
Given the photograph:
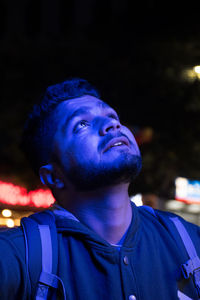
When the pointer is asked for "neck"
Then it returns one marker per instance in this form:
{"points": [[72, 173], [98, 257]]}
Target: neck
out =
{"points": [[107, 211]]}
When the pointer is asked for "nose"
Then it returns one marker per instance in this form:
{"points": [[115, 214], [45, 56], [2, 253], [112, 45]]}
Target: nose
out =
{"points": [[110, 125]]}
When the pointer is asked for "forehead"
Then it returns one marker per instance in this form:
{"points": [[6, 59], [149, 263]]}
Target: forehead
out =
{"points": [[83, 104], [87, 100]]}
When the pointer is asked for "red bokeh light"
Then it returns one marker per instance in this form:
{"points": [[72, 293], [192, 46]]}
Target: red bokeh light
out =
{"points": [[16, 195]]}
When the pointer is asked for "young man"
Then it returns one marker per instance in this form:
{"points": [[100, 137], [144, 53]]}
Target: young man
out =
{"points": [[107, 247]]}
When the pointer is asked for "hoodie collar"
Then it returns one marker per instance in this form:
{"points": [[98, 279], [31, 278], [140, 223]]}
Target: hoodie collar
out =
{"points": [[67, 222]]}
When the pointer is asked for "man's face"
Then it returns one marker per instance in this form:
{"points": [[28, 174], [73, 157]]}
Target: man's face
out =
{"points": [[91, 145]]}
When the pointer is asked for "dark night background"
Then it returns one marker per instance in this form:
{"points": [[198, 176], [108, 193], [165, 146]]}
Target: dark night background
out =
{"points": [[136, 53]]}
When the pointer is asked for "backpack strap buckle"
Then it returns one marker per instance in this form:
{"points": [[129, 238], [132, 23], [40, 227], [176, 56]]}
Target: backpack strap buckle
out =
{"points": [[42, 292], [46, 280], [192, 267], [49, 279]]}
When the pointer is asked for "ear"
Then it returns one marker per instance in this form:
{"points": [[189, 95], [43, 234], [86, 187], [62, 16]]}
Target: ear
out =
{"points": [[48, 178]]}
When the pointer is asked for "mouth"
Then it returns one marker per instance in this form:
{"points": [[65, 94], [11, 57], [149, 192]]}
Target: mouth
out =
{"points": [[117, 142]]}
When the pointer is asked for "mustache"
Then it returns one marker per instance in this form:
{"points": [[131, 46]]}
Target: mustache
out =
{"points": [[109, 137]]}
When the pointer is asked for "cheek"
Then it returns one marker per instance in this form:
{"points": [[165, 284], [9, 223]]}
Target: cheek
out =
{"points": [[84, 148], [130, 136]]}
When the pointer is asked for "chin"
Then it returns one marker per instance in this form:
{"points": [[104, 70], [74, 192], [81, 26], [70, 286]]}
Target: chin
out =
{"points": [[91, 177]]}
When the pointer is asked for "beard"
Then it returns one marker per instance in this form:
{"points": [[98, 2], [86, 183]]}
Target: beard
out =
{"points": [[90, 176]]}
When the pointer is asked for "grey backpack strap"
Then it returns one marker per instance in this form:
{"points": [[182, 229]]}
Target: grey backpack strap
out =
{"points": [[47, 278], [41, 243], [192, 266]]}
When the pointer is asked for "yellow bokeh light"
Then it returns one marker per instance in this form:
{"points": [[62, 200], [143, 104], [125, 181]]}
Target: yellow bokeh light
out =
{"points": [[10, 223], [191, 74], [197, 69], [6, 213]]}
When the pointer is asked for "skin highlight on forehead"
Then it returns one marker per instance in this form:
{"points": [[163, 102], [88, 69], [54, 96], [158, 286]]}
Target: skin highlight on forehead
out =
{"points": [[86, 100]]}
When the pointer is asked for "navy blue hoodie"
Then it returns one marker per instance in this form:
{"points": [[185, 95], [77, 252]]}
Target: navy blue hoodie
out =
{"points": [[146, 267]]}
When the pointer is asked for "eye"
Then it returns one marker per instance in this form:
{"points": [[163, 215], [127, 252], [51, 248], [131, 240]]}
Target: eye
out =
{"points": [[80, 125]]}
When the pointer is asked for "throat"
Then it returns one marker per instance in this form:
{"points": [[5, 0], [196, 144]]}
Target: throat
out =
{"points": [[107, 211], [110, 224]]}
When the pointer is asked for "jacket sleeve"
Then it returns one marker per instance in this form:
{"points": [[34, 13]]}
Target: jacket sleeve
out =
{"points": [[14, 282]]}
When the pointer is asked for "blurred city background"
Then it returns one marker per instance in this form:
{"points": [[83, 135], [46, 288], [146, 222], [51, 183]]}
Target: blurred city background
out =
{"points": [[143, 56]]}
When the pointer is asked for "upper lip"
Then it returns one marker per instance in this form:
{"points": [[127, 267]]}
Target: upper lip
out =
{"points": [[121, 139]]}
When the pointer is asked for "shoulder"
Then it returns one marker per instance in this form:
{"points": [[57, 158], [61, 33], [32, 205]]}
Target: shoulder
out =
{"points": [[12, 264], [165, 219], [161, 214], [12, 240], [12, 234], [148, 211]]}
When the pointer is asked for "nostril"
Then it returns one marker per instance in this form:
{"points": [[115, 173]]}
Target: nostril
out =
{"points": [[113, 126], [110, 125], [118, 126], [109, 128]]}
